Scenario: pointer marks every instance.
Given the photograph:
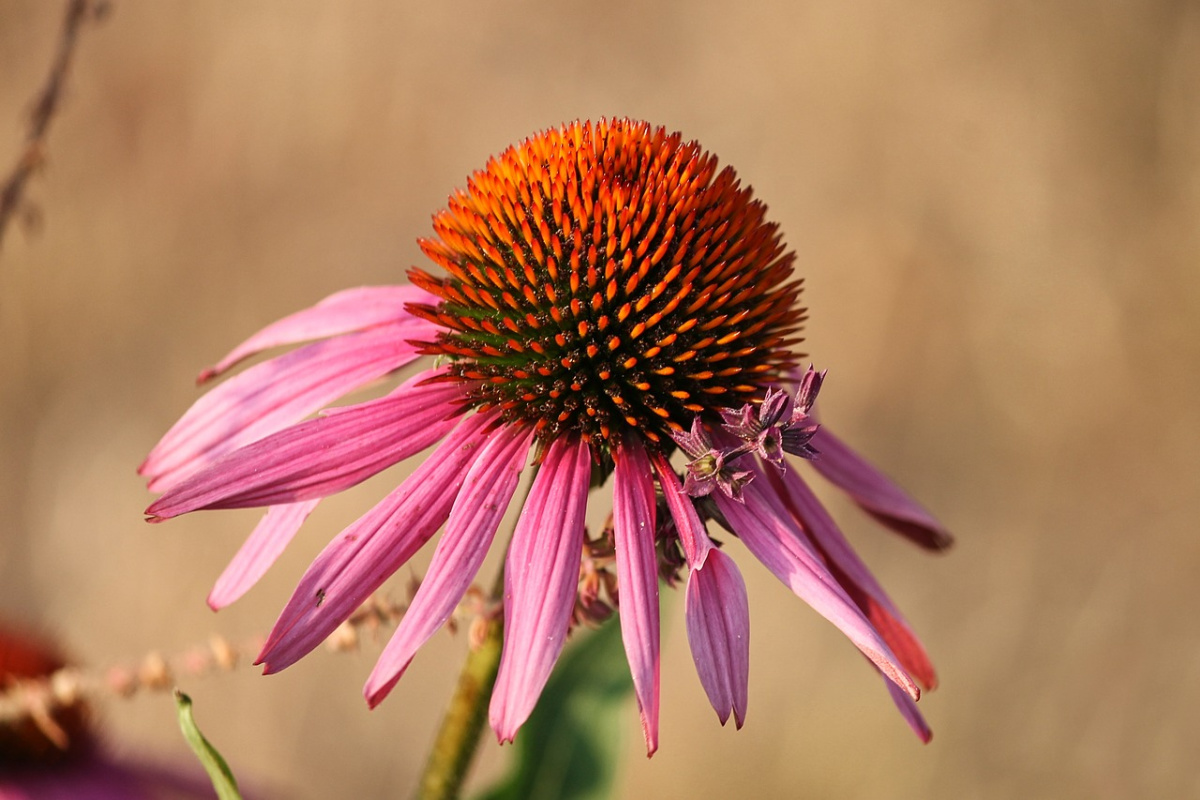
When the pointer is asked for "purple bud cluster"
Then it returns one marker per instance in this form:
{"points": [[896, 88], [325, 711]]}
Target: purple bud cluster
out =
{"points": [[777, 425]]}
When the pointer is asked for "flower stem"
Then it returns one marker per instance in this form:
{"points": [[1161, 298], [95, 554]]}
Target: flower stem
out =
{"points": [[458, 738], [459, 735]]}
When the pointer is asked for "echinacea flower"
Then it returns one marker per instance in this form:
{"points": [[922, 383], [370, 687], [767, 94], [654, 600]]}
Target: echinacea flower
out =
{"points": [[609, 296]]}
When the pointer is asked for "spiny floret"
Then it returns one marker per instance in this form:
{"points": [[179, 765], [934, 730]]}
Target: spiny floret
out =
{"points": [[606, 277]]}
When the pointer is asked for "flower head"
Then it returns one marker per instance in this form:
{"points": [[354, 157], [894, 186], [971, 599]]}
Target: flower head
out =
{"points": [[607, 281], [609, 295]]}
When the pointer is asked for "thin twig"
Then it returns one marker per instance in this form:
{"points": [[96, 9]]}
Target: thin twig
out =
{"points": [[45, 105], [37, 699]]}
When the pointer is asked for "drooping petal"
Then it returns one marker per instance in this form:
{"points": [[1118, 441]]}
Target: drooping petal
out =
{"points": [[716, 606], [718, 626], [908, 709], [269, 538], [540, 579], [343, 312], [365, 554], [877, 494], [321, 456], [854, 576], [637, 577], [692, 534], [769, 532], [272, 395], [477, 511]]}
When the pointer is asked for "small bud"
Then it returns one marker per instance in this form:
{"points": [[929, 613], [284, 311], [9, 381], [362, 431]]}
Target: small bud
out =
{"points": [[121, 681], [224, 655], [154, 673], [477, 633]]}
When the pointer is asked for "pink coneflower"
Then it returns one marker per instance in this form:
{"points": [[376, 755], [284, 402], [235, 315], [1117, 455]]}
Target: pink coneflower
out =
{"points": [[611, 297]]}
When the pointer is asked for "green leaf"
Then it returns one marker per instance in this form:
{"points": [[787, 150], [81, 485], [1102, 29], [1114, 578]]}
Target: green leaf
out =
{"points": [[218, 771], [568, 750]]}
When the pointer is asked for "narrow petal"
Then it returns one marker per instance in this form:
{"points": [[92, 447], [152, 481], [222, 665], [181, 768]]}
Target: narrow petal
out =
{"points": [[321, 456], [258, 553], [272, 395], [477, 511], [343, 312], [540, 579], [364, 555], [877, 494], [769, 532], [716, 608], [637, 577], [692, 534], [718, 626], [908, 709], [854, 576]]}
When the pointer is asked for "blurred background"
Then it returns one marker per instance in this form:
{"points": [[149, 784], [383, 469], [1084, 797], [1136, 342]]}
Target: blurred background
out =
{"points": [[996, 208]]}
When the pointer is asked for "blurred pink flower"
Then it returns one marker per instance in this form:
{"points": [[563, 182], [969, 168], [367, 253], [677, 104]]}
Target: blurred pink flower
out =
{"points": [[58, 756], [95, 774], [608, 291]]}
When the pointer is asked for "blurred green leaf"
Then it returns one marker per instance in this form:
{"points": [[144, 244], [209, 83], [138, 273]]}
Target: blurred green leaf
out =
{"points": [[218, 771], [568, 750]]}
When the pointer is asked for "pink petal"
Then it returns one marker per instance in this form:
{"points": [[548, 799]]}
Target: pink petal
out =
{"points": [[718, 626], [481, 503], [637, 577], [692, 534], [876, 493], [343, 312], [272, 395], [717, 610], [259, 551], [769, 532], [853, 575], [321, 456], [908, 709], [364, 555], [540, 580]]}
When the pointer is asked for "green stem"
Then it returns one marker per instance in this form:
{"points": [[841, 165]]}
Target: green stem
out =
{"points": [[458, 738]]}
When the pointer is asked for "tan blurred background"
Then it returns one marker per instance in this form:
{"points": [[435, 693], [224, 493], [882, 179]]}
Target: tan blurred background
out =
{"points": [[997, 210]]}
